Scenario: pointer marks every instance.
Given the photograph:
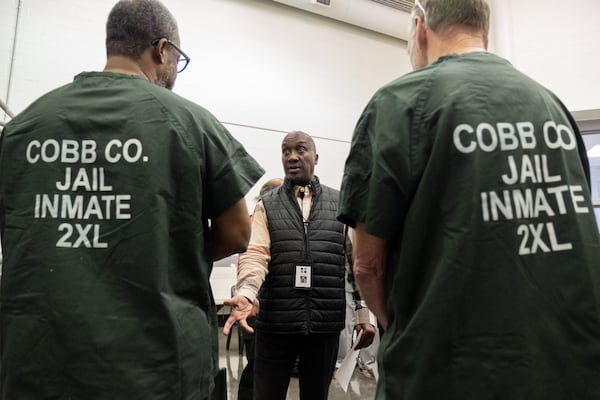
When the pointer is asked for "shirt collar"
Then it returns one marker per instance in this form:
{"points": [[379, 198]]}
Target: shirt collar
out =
{"points": [[314, 188], [306, 189]]}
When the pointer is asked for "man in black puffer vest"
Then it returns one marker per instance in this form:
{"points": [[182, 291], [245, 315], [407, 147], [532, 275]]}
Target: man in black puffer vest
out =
{"points": [[296, 259]]}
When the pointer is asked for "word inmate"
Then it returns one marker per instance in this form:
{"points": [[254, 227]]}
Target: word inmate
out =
{"points": [[67, 206], [532, 203]]}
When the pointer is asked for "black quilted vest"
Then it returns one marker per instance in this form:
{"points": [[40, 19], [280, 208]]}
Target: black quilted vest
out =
{"points": [[320, 309]]}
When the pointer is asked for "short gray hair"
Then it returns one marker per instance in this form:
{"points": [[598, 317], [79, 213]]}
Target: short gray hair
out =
{"points": [[133, 24], [445, 14]]}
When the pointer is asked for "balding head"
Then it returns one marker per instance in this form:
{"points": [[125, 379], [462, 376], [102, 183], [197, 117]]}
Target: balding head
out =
{"points": [[270, 185], [299, 157]]}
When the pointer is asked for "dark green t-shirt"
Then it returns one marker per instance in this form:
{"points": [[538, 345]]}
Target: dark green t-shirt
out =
{"points": [[476, 177], [107, 186]]}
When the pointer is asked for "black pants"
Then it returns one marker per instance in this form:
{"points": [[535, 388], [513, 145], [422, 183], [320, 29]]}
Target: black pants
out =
{"points": [[246, 385], [220, 390], [274, 359]]}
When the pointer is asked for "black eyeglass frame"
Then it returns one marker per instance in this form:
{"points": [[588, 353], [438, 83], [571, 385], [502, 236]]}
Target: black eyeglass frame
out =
{"points": [[185, 58]]}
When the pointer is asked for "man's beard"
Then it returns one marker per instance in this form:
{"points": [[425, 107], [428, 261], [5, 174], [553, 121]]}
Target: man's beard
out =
{"points": [[165, 81]]}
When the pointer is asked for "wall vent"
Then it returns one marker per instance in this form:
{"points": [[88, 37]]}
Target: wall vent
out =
{"points": [[402, 5]]}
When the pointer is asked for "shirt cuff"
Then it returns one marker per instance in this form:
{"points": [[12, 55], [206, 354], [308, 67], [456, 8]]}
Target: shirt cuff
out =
{"points": [[364, 316], [247, 292]]}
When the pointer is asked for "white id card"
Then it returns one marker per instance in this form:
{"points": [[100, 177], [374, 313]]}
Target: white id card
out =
{"points": [[303, 276]]}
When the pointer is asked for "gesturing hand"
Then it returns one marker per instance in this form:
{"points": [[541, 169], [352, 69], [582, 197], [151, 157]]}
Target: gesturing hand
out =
{"points": [[241, 310]]}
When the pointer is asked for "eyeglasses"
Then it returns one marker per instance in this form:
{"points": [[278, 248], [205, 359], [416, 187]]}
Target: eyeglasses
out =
{"points": [[418, 3], [183, 61]]}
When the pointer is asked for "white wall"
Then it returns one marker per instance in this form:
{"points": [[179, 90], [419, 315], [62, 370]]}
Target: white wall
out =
{"points": [[554, 41], [254, 63]]}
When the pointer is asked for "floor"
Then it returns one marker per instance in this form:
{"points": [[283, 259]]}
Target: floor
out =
{"points": [[360, 387]]}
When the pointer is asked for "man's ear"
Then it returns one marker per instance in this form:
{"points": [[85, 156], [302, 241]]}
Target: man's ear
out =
{"points": [[160, 51], [316, 158], [415, 23], [421, 35]]}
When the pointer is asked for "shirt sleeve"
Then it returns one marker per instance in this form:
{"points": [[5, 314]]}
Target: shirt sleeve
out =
{"points": [[230, 170], [376, 185], [353, 191], [253, 264]]}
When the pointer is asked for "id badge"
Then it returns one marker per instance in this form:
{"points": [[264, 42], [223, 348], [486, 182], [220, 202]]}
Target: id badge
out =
{"points": [[303, 276]]}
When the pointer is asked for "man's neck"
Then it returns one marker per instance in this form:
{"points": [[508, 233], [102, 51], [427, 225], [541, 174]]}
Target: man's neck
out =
{"points": [[459, 42], [124, 65]]}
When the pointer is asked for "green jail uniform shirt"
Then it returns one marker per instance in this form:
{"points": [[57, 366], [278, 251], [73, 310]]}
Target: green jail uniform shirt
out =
{"points": [[107, 187], [476, 176]]}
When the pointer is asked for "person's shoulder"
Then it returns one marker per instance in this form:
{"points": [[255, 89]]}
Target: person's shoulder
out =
{"points": [[488, 68], [44, 102], [403, 89], [175, 102], [184, 112]]}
